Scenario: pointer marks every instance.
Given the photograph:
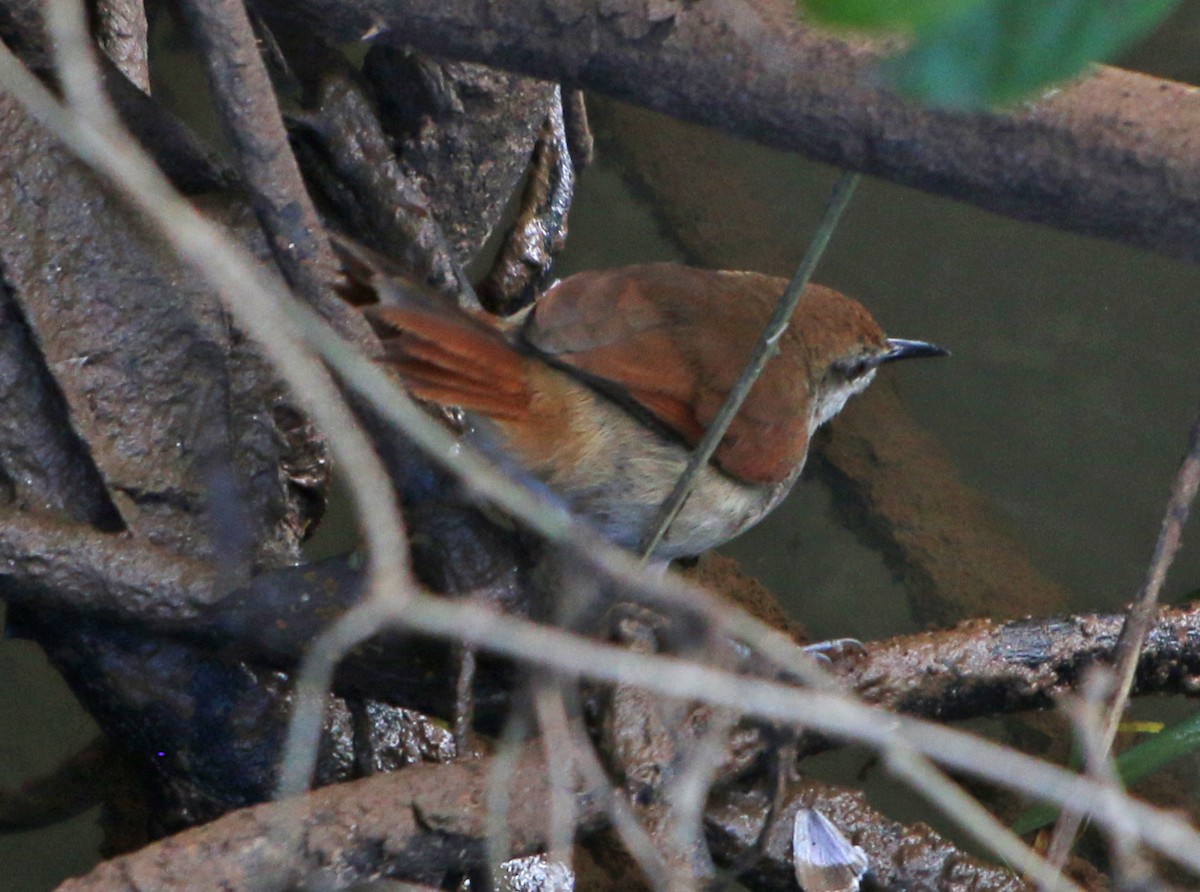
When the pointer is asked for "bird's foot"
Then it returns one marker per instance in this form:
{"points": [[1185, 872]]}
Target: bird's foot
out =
{"points": [[836, 649]]}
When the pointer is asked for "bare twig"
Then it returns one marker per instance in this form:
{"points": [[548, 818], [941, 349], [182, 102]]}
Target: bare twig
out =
{"points": [[767, 346], [1139, 621], [501, 792], [987, 830], [634, 837], [580, 142], [687, 795], [550, 708], [1145, 606], [464, 704], [1087, 713]]}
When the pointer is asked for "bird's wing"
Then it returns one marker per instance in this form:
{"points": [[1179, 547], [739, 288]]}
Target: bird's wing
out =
{"points": [[674, 340]]}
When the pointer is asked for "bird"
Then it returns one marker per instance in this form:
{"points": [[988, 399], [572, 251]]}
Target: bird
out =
{"points": [[603, 386]]}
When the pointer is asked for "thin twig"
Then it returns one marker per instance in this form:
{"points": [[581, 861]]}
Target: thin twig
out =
{"points": [[632, 834], [313, 683], [1087, 713], [499, 792], [1141, 616], [767, 346], [464, 700], [550, 708], [952, 799], [688, 794]]}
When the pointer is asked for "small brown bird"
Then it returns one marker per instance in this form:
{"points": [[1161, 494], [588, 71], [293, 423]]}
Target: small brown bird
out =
{"points": [[602, 388]]}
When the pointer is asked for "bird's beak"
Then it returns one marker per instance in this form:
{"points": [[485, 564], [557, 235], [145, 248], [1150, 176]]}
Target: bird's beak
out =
{"points": [[898, 348]]}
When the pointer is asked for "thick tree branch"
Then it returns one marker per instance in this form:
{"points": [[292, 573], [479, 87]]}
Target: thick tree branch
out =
{"points": [[901, 856], [980, 667], [984, 667], [426, 821], [1114, 154], [249, 113], [419, 824]]}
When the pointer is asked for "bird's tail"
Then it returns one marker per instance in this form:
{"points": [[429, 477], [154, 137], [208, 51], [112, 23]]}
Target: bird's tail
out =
{"points": [[446, 356], [443, 353]]}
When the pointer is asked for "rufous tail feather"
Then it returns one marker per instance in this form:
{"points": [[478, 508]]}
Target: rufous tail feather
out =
{"points": [[447, 356]]}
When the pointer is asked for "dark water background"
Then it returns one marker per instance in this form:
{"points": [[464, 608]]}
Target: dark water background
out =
{"points": [[1076, 373]]}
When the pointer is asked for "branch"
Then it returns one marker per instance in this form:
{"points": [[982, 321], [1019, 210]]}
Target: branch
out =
{"points": [[901, 856], [419, 824], [345, 152], [985, 667], [1138, 623], [250, 116], [65, 566], [428, 820], [44, 461], [1109, 155], [980, 667]]}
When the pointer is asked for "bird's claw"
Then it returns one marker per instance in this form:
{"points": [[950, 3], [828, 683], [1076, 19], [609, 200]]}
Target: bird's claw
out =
{"points": [[834, 649]]}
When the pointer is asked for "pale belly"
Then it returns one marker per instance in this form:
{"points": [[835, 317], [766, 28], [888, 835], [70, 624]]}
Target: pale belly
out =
{"points": [[618, 473]]}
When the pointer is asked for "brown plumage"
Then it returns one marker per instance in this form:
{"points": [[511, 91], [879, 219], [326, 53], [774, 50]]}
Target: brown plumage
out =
{"points": [[602, 388]]}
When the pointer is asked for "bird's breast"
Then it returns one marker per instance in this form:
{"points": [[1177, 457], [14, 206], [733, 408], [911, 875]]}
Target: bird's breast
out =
{"points": [[616, 470]]}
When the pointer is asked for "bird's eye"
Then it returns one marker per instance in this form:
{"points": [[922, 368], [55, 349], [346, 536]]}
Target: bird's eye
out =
{"points": [[853, 368]]}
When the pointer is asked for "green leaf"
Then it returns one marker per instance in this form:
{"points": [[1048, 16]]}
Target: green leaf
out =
{"points": [[999, 51], [1132, 765], [884, 15]]}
